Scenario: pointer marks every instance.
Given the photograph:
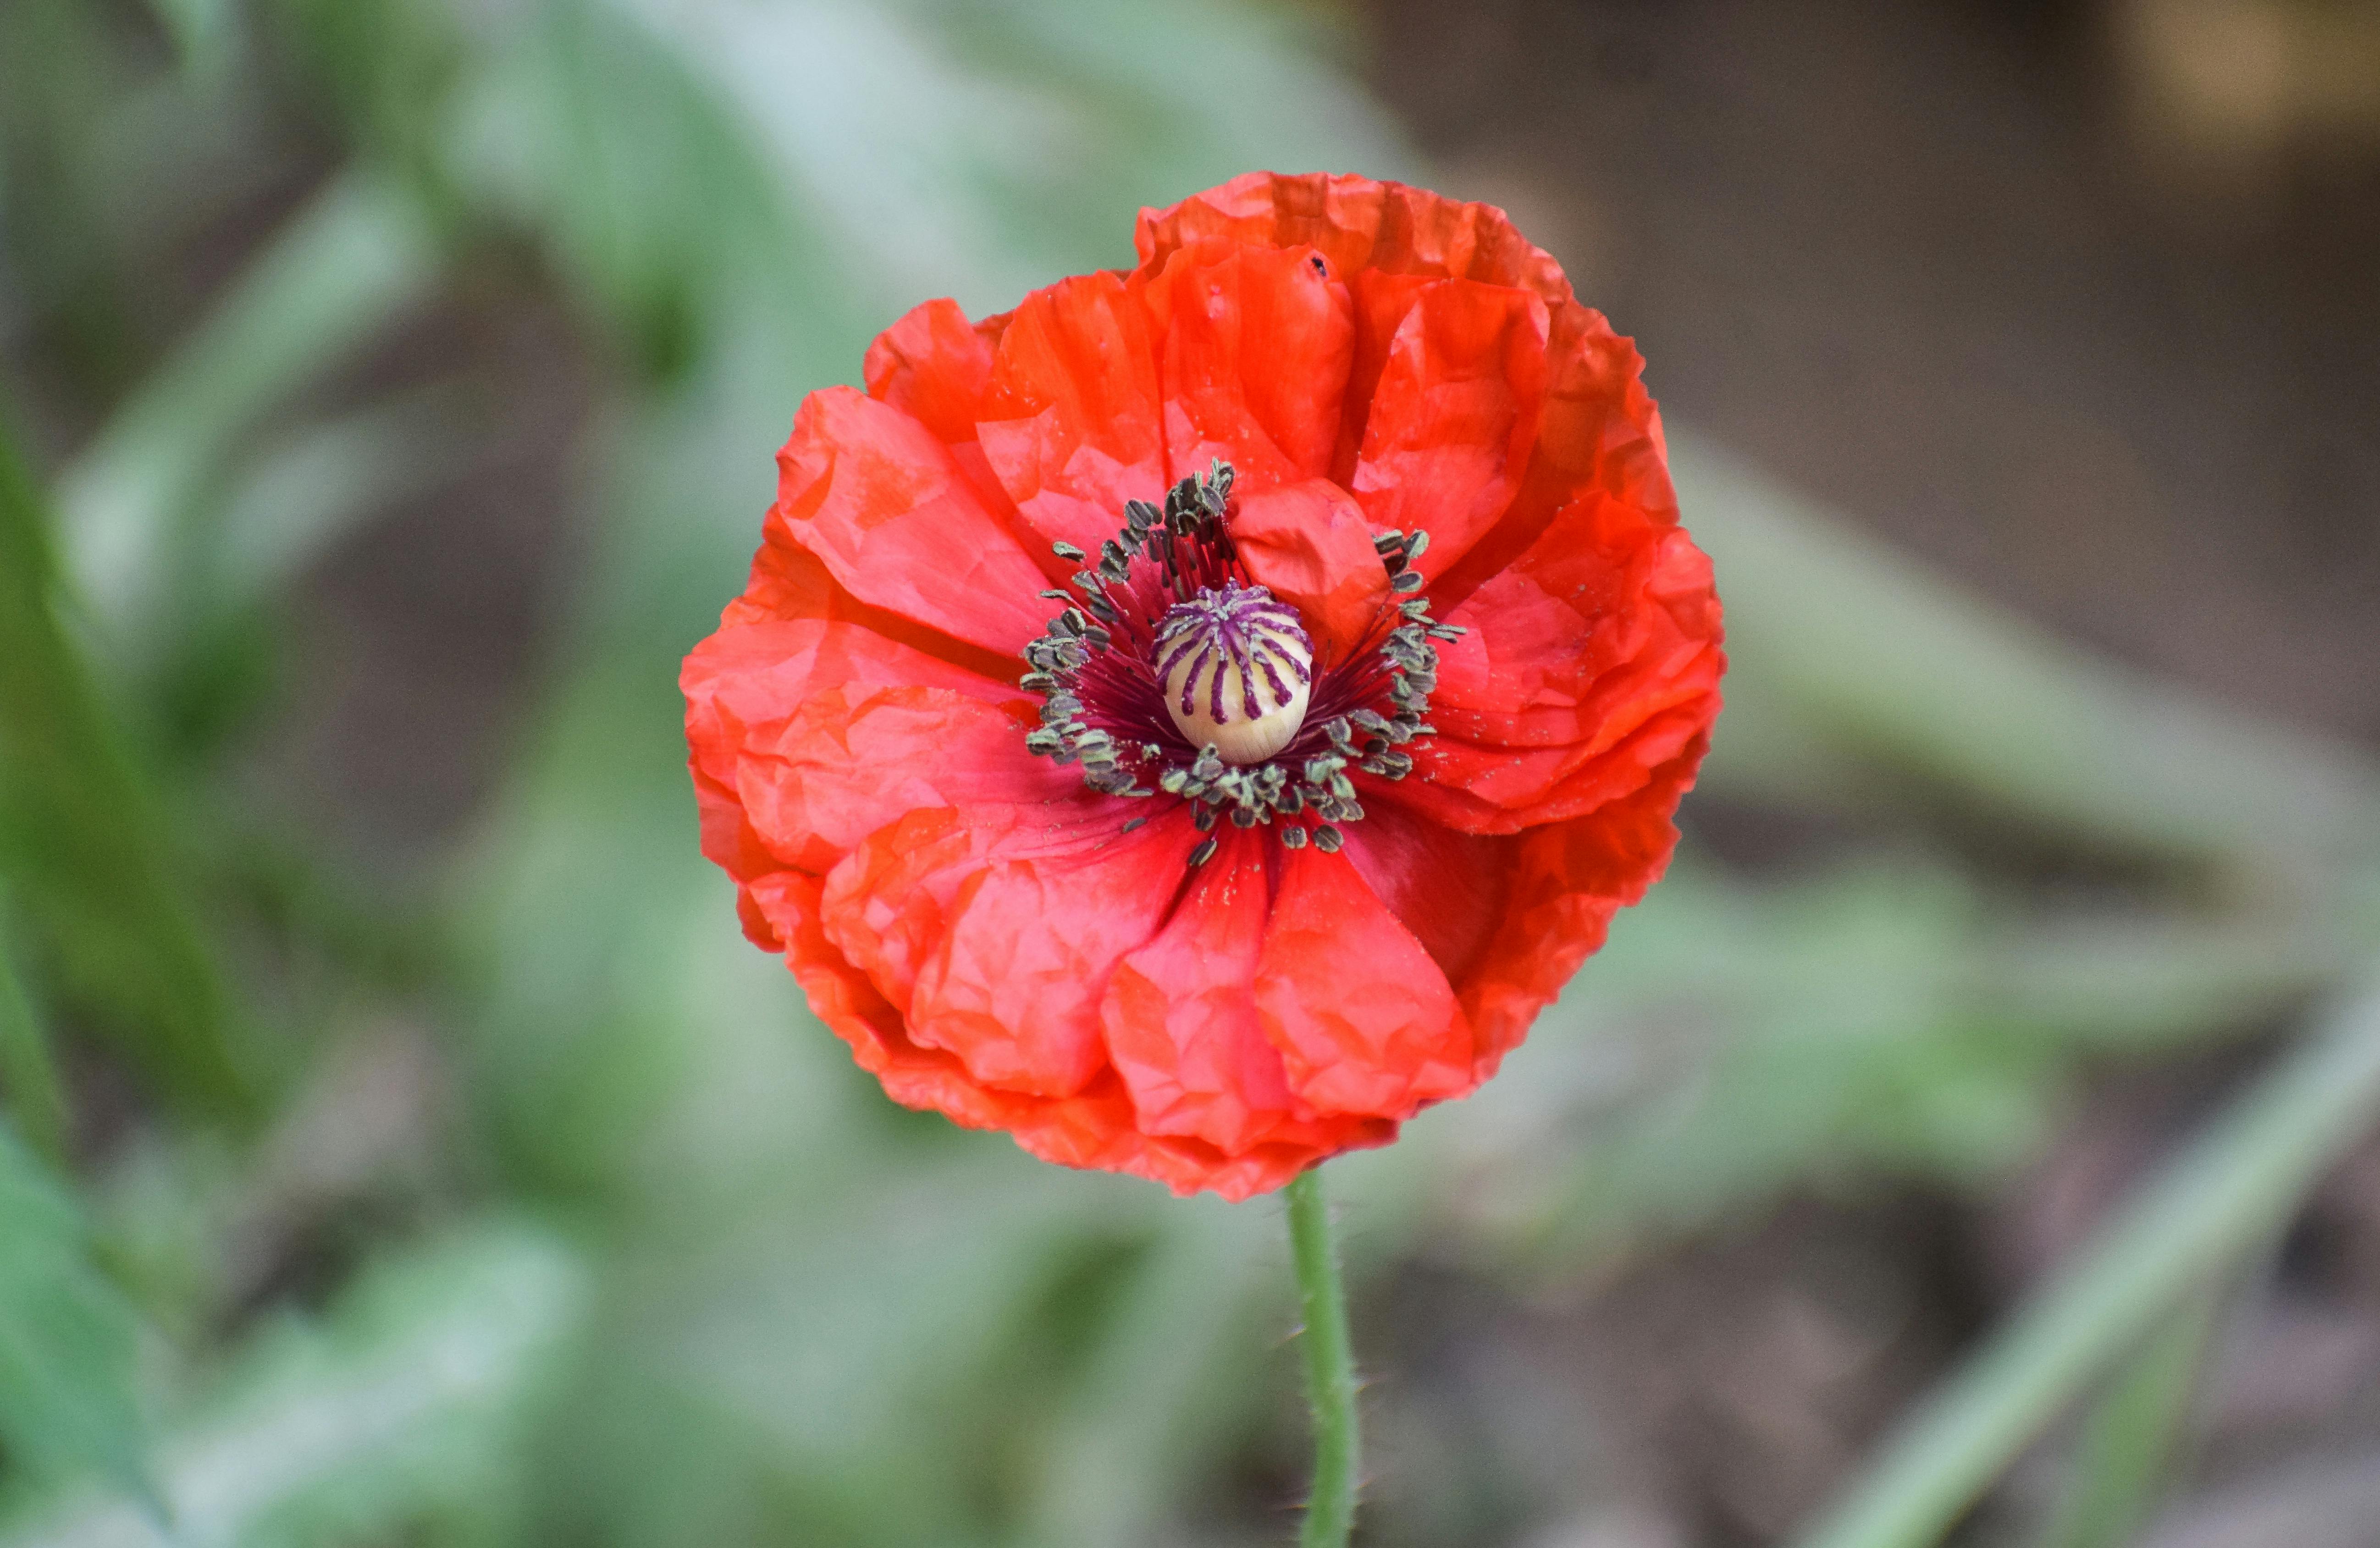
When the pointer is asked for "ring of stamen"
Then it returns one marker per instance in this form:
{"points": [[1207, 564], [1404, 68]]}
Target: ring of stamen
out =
{"points": [[1172, 666]]}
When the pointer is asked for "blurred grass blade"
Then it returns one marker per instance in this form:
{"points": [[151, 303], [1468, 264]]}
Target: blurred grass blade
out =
{"points": [[1870, 649], [2125, 1456], [333, 276], [205, 34], [84, 843], [67, 1337], [410, 1402], [28, 1075], [2228, 1193]]}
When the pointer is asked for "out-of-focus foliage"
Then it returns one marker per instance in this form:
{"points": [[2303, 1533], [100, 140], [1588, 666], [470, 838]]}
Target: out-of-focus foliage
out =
{"points": [[67, 1336], [564, 1220], [82, 834]]}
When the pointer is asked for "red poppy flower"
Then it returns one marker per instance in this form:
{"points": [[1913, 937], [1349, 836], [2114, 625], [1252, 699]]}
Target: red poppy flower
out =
{"points": [[1363, 664]]}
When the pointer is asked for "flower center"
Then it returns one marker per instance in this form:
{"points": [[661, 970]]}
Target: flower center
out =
{"points": [[1172, 667], [1238, 671]]}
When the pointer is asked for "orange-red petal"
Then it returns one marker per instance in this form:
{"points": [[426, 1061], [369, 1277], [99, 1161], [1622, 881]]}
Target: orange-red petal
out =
{"points": [[810, 734], [1364, 1021], [1180, 1022], [1072, 423], [1453, 417], [1256, 345], [994, 930], [1308, 543], [1591, 660], [886, 506]]}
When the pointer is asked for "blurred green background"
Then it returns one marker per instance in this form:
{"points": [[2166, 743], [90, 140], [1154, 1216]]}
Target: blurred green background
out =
{"points": [[402, 1146]]}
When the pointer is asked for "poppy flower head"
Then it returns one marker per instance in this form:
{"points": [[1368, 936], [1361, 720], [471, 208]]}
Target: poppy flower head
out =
{"points": [[1195, 720]]}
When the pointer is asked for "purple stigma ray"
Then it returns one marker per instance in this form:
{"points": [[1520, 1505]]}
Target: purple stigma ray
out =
{"points": [[1244, 626]]}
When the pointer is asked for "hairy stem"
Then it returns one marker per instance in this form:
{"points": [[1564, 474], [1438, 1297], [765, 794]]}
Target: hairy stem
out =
{"points": [[1330, 1366]]}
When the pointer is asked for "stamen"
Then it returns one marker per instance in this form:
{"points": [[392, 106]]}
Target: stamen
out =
{"points": [[1172, 667]]}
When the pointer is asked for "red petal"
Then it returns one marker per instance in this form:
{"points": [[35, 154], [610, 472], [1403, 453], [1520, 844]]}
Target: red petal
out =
{"points": [[1453, 416], [1364, 1019], [935, 367], [1309, 544], [887, 507], [806, 737], [1093, 1127], [995, 930], [1594, 658], [1181, 1019], [1599, 436], [1071, 423], [1255, 352], [789, 582], [1357, 224], [1448, 888], [1381, 302], [1570, 879]]}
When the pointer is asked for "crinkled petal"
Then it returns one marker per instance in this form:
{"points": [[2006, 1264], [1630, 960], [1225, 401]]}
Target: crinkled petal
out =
{"points": [[1568, 880], [993, 930], [1253, 353], [1309, 544], [1592, 659], [1453, 417], [809, 735], [1357, 224], [1599, 435], [886, 506], [1072, 425], [1181, 1021], [1365, 1021], [980, 927], [1093, 1127]]}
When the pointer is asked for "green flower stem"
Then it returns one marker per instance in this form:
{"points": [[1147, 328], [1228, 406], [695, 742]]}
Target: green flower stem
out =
{"points": [[1330, 1366], [2219, 1201]]}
